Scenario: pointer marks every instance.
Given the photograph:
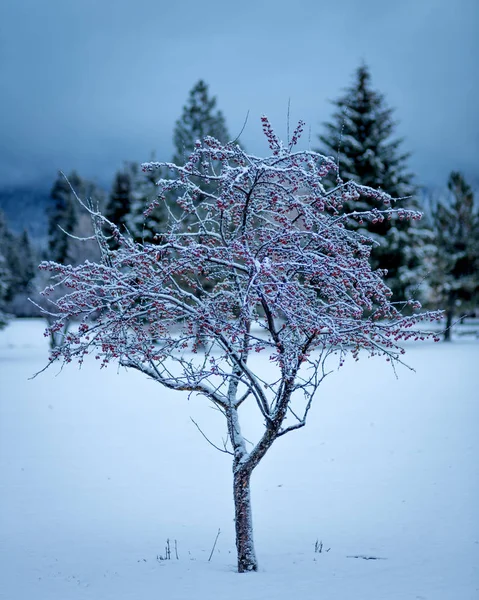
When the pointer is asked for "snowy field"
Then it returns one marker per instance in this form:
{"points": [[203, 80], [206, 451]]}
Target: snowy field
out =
{"points": [[99, 469]]}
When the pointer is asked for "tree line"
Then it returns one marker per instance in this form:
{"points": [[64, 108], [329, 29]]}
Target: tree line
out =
{"points": [[435, 259]]}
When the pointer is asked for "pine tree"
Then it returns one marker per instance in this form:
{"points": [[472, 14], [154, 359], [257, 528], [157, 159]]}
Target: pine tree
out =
{"points": [[144, 227], [9, 247], [4, 275], [3, 288], [62, 216], [455, 277], [27, 262], [65, 216], [5, 271], [17, 271], [119, 202], [199, 119], [362, 129]]}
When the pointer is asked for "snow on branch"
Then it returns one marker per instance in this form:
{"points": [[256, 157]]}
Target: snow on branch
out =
{"points": [[256, 257]]}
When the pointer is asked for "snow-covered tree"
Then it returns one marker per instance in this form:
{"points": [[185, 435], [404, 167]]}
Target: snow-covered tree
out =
{"points": [[5, 272], [23, 261], [284, 276], [17, 269], [362, 130], [69, 228], [455, 274], [66, 222], [119, 202], [61, 216], [27, 260], [198, 120], [9, 262], [143, 227]]}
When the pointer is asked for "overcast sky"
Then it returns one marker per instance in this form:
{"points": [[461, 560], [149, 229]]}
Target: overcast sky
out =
{"points": [[87, 84]]}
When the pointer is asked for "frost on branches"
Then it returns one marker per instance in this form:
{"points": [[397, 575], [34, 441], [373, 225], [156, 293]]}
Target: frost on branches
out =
{"points": [[255, 258]]}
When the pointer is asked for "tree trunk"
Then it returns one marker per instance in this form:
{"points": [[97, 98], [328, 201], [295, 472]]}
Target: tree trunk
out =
{"points": [[449, 316], [244, 522]]}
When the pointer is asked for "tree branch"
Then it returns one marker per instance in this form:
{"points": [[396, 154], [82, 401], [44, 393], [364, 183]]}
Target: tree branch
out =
{"points": [[225, 451]]}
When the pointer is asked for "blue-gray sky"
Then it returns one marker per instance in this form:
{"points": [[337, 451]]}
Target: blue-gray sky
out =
{"points": [[87, 84]]}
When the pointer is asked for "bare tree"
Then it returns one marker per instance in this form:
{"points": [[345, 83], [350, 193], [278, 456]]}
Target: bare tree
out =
{"points": [[278, 272]]}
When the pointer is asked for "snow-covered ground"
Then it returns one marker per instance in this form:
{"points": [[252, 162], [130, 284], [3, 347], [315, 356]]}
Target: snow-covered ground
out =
{"points": [[99, 469]]}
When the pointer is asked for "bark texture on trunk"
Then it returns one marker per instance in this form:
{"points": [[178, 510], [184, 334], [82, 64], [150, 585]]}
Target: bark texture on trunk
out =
{"points": [[243, 465], [244, 522]]}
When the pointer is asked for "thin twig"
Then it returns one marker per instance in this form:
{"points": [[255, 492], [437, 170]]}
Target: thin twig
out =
{"points": [[242, 129], [340, 141], [289, 108], [209, 441], [214, 545]]}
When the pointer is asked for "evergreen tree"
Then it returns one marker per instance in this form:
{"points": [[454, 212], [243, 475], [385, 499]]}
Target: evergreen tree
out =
{"points": [[4, 275], [17, 271], [455, 277], [5, 271], [62, 216], [20, 260], [119, 202], [66, 215], [199, 119], [144, 228], [12, 264], [362, 129], [27, 262]]}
